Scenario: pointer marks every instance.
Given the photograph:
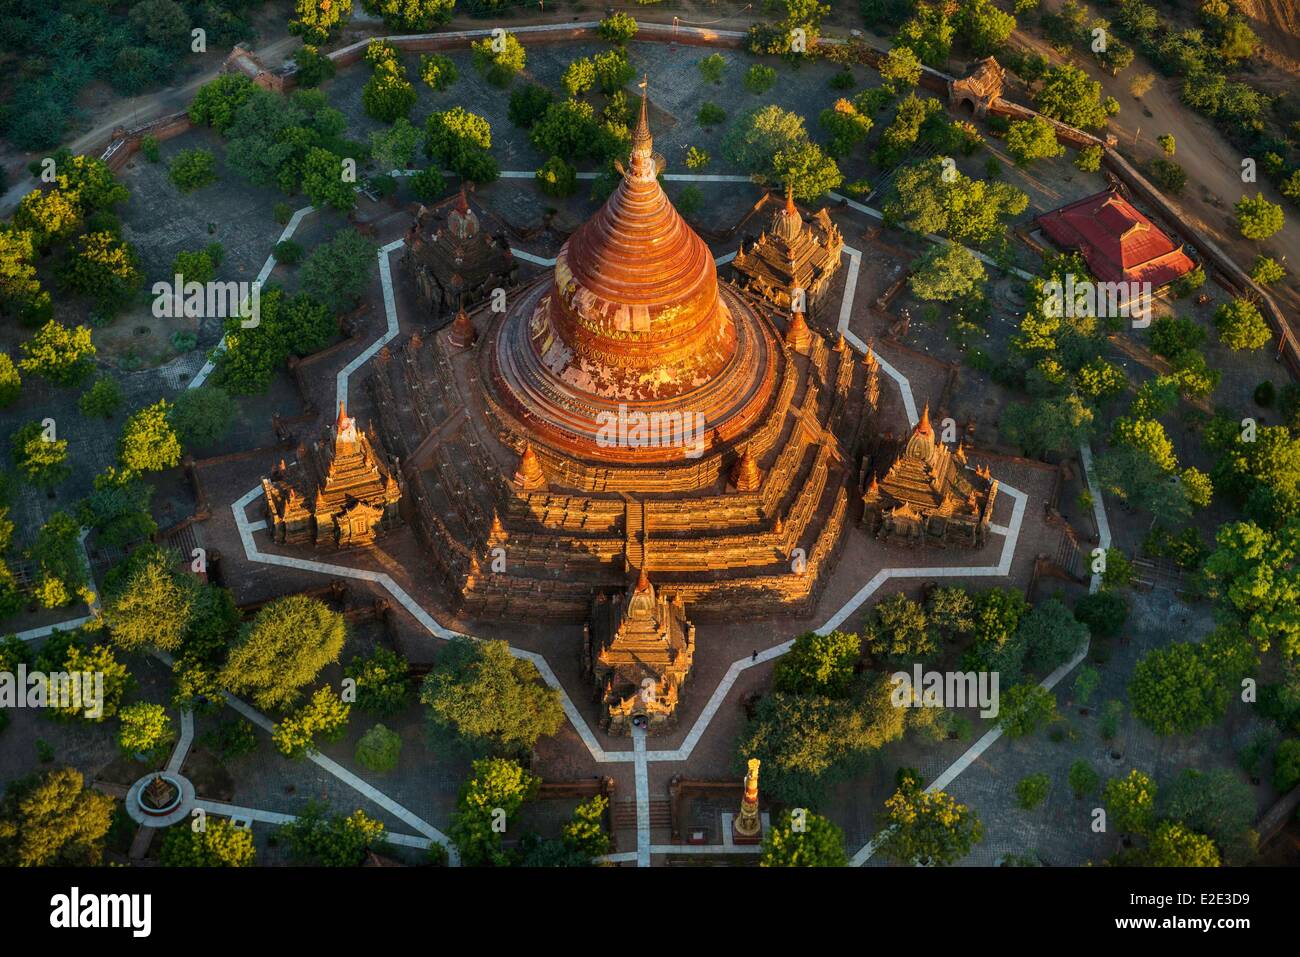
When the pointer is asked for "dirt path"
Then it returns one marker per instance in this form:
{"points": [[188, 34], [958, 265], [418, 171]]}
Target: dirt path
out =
{"points": [[1213, 165]]}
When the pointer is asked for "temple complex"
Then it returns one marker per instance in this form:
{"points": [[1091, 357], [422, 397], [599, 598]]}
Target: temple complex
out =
{"points": [[791, 255], [637, 651], [341, 493], [627, 418], [928, 495], [456, 253]]}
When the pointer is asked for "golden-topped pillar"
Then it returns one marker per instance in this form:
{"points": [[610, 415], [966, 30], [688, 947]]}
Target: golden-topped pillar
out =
{"points": [[747, 828]]}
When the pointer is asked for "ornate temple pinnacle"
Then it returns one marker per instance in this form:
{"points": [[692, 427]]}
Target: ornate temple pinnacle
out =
{"points": [[530, 476], [642, 141], [747, 827], [923, 427], [643, 581]]}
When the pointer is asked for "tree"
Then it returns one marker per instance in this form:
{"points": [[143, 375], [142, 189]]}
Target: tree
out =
{"points": [[201, 417], [105, 267], [330, 841], [216, 103], [818, 664], [324, 180], [1286, 766], [927, 827], [1257, 218], [1089, 159], [1174, 845], [929, 199], [759, 78], [846, 126], [153, 608], [1241, 325], [900, 69], [1216, 803], [1103, 613], [319, 21], [498, 787], [193, 169], [1252, 572], [901, 632], [1051, 635], [946, 273], [21, 295], [928, 34], [528, 104], [53, 820], [1176, 691], [1068, 94], [492, 701], [40, 458], [557, 178], [388, 95], [773, 144], [148, 442], [1083, 779], [325, 716], [88, 182], [1267, 271], [295, 325], [1047, 425], [337, 272], [314, 67], [983, 27], [378, 750], [619, 28], [1131, 802], [579, 76], [145, 730], [811, 841], [584, 833], [460, 140], [412, 16], [11, 383], [499, 59], [1035, 139], [1031, 791], [57, 553], [284, 648], [395, 147], [219, 844], [1025, 708], [382, 681], [47, 217]]}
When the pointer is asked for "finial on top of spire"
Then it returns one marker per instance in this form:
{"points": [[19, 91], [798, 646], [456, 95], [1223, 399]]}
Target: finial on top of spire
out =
{"points": [[923, 427], [641, 139], [789, 198]]}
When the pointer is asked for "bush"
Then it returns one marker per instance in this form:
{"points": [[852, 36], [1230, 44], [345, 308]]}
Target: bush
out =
{"points": [[712, 67], [145, 730], [382, 681], [1104, 613], [697, 158], [288, 252], [1265, 394], [378, 750], [499, 66], [1083, 779], [1168, 175], [219, 844], [528, 104], [428, 184], [1241, 325], [710, 114], [149, 148], [557, 178], [102, 399], [282, 212], [689, 200], [1089, 159], [193, 169], [617, 28], [1286, 766], [437, 71], [324, 716], [1032, 791], [760, 78], [202, 416], [314, 67], [11, 383], [1267, 270]]}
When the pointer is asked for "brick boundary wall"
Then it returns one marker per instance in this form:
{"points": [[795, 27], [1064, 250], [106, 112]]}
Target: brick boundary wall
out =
{"points": [[125, 143]]}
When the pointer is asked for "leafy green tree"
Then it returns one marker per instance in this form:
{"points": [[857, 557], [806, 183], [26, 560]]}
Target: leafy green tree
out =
{"points": [[153, 608], [712, 68], [900, 69], [818, 664], [219, 844], [1175, 845], [460, 139], [760, 78], [319, 21], [579, 76], [498, 787], [40, 458], [201, 417], [105, 267], [846, 126], [1034, 139], [927, 827], [1051, 635], [296, 325], [983, 28], [492, 701], [88, 182], [11, 383], [774, 145], [1103, 612], [382, 681], [193, 169], [901, 632], [378, 750], [314, 67], [1257, 218], [118, 508], [148, 442], [412, 16], [1216, 803], [928, 34], [324, 716], [1267, 271], [96, 659], [1241, 325], [528, 104], [337, 272], [1025, 708], [1048, 424], [618, 28], [1131, 802], [61, 569], [324, 182], [1083, 779], [1068, 94], [557, 178], [1031, 791], [946, 273], [1286, 766], [499, 60], [217, 102], [584, 833], [437, 71], [814, 841], [145, 729], [284, 648], [53, 820], [48, 217], [1175, 690], [395, 147], [21, 295], [970, 212], [332, 840], [1252, 572], [1089, 159], [388, 95]]}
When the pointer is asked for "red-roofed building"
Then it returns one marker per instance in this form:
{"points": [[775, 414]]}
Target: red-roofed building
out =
{"points": [[1118, 242]]}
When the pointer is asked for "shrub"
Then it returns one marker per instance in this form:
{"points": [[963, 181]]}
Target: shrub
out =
{"points": [[710, 114], [617, 28], [193, 169], [760, 78], [324, 716], [428, 184], [712, 67], [1089, 159], [557, 178], [11, 383], [1083, 779], [1241, 325], [288, 252], [1286, 766], [1267, 270], [149, 148], [697, 158], [1032, 791], [382, 681], [1265, 394], [102, 399], [314, 67], [1168, 175], [689, 200], [145, 730], [1104, 613], [378, 750], [219, 844], [528, 104], [202, 416], [438, 71]]}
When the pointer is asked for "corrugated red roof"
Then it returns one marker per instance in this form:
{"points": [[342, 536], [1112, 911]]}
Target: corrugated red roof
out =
{"points": [[1116, 240]]}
